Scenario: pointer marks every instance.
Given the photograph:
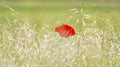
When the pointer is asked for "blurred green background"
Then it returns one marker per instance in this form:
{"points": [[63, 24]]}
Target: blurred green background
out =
{"points": [[54, 12]]}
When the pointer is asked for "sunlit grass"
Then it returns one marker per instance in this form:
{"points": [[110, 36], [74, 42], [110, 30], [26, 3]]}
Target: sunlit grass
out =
{"points": [[30, 42]]}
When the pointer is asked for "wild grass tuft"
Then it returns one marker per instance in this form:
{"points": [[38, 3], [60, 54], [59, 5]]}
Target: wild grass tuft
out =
{"points": [[96, 43]]}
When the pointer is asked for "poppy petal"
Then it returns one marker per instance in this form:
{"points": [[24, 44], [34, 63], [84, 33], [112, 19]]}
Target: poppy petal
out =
{"points": [[65, 30]]}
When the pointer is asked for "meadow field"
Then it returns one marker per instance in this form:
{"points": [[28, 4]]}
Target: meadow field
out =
{"points": [[28, 39]]}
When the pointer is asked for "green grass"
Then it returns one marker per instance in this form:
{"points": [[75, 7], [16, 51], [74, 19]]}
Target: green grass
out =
{"points": [[27, 38]]}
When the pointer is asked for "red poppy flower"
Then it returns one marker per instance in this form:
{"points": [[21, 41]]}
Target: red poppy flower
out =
{"points": [[65, 30]]}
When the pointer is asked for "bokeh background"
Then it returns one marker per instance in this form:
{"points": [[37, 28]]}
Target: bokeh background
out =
{"points": [[45, 11]]}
